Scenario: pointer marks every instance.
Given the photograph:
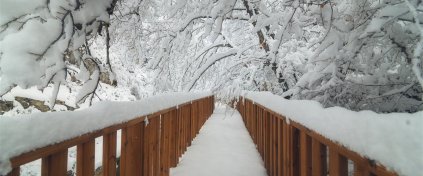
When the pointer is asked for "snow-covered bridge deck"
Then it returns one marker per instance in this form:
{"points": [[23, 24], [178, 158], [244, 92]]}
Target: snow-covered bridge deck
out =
{"points": [[223, 147]]}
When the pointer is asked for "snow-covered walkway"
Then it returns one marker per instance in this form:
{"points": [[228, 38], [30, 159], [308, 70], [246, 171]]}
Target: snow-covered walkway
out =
{"points": [[223, 147]]}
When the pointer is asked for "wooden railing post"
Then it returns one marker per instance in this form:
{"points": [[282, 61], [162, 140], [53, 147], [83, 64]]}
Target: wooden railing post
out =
{"points": [[305, 154], [274, 145], [109, 154], [151, 155], [165, 144], [173, 138], [85, 158], [132, 147], [318, 158], [267, 139], [55, 164], [280, 146], [338, 164]]}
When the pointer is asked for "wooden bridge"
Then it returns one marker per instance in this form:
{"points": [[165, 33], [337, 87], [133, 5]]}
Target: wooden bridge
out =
{"points": [[151, 147]]}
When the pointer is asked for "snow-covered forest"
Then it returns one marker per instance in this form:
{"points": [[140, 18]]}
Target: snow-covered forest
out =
{"points": [[66, 54]]}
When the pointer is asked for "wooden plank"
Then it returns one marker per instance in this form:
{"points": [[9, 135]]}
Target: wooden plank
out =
{"points": [[146, 150], [55, 164], [85, 157], [194, 127], [151, 148], [275, 145], [318, 157], [338, 164], [15, 172], [133, 145], [178, 134], [285, 149], [260, 133], [266, 141], [156, 147], [123, 144], [305, 154], [280, 147], [165, 144], [109, 154], [295, 150], [173, 155], [271, 154]]}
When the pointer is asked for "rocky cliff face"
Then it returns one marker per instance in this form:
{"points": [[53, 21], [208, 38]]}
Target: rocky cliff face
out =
{"points": [[42, 106]]}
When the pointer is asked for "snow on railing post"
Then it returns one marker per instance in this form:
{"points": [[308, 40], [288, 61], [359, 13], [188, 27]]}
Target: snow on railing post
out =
{"points": [[289, 148], [145, 149]]}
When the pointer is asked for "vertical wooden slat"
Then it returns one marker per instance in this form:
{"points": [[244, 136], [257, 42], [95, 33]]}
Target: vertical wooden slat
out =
{"points": [[173, 138], [254, 123], [151, 159], [165, 144], [271, 154], [55, 165], [305, 154], [132, 146], [156, 147], [260, 133], [318, 157], [15, 172], [179, 133], [268, 141], [184, 128], [85, 158], [123, 143], [280, 147], [187, 124], [109, 154], [146, 150], [295, 150], [338, 164], [275, 145], [286, 153]]}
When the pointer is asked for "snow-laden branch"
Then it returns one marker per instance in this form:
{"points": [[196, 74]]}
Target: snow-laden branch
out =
{"points": [[417, 57], [37, 38], [210, 62]]}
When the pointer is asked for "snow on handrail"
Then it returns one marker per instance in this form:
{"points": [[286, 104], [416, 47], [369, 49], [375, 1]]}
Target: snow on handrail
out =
{"points": [[24, 133], [395, 140]]}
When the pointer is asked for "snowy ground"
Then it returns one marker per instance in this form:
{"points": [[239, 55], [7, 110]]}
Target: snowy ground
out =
{"points": [[223, 147]]}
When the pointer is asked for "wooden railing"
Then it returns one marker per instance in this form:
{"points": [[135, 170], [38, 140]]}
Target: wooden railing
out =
{"points": [[146, 149], [291, 149]]}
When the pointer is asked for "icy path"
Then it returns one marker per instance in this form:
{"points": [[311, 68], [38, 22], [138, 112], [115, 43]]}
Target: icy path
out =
{"points": [[223, 147]]}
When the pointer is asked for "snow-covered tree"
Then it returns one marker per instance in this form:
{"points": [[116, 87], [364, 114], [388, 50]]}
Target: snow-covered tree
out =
{"points": [[366, 58], [356, 54], [359, 54], [43, 42]]}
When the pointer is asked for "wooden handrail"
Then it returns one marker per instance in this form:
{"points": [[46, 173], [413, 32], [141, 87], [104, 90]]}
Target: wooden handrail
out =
{"points": [[291, 149], [146, 149]]}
